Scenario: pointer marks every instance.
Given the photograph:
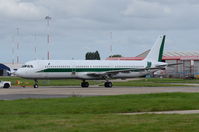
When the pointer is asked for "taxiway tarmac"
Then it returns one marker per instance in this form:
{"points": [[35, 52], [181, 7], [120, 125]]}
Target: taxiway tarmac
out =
{"points": [[66, 91]]}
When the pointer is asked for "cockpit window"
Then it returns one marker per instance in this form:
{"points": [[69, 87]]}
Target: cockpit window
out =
{"points": [[27, 66]]}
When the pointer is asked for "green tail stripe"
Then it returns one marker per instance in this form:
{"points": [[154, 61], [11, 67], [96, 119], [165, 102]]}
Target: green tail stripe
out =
{"points": [[161, 49]]}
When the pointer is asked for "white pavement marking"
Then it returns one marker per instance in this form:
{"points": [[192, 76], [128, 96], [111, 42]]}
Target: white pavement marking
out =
{"points": [[165, 112]]}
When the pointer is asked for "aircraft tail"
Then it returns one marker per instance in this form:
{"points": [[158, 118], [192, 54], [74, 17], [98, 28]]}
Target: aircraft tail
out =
{"points": [[156, 52]]}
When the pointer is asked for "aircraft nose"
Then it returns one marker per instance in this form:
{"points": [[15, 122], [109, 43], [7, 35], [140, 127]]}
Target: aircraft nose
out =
{"points": [[19, 73]]}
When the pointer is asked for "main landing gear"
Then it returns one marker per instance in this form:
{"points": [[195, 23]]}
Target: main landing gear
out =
{"points": [[108, 84], [36, 84], [84, 84]]}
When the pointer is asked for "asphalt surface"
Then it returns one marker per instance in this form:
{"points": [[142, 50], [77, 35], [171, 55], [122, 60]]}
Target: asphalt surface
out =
{"points": [[67, 91]]}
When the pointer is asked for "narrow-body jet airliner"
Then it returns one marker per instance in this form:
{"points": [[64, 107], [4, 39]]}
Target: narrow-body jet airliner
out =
{"points": [[94, 69]]}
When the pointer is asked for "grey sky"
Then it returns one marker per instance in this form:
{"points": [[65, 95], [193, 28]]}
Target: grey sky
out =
{"points": [[78, 26]]}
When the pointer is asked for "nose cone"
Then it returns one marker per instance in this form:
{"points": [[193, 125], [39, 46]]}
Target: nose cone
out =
{"points": [[19, 73]]}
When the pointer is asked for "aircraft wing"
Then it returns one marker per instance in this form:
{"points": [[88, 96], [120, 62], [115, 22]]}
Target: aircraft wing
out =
{"points": [[174, 64], [109, 74], [168, 65]]}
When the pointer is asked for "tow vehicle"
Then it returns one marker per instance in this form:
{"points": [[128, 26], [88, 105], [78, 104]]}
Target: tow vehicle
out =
{"points": [[5, 84]]}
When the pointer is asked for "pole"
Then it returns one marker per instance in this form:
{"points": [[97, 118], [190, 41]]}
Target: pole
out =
{"points": [[111, 48], [17, 44], [48, 18]]}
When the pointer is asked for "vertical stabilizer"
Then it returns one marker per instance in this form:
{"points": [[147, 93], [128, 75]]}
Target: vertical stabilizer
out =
{"points": [[156, 51]]}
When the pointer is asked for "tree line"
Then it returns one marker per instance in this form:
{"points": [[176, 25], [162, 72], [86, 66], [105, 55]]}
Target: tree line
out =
{"points": [[96, 56]]}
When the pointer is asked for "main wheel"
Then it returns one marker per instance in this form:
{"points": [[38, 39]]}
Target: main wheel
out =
{"points": [[85, 84], [36, 86], [108, 84], [82, 84], [6, 85]]}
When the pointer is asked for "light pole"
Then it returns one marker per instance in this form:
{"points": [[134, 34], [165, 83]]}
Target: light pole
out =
{"points": [[48, 18], [17, 43]]}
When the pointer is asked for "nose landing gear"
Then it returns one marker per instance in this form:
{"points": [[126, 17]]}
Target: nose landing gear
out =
{"points": [[36, 84]]}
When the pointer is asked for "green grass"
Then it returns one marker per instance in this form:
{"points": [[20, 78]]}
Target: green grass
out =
{"points": [[103, 104], [145, 84], [96, 114], [100, 123], [151, 82], [169, 80], [66, 82], [157, 82]]}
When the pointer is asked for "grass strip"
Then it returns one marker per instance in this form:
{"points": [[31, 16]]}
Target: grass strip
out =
{"points": [[96, 114], [151, 82], [102, 104]]}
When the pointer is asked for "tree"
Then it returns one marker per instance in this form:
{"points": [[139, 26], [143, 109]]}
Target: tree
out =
{"points": [[92, 56]]}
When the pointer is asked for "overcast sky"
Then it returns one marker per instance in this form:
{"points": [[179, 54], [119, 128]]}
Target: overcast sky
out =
{"points": [[79, 26]]}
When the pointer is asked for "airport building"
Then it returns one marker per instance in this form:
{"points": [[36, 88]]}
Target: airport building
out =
{"points": [[188, 63], [4, 68]]}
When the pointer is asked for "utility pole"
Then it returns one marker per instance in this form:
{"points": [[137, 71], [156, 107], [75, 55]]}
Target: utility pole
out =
{"points": [[35, 48], [17, 44], [48, 18], [111, 47], [13, 51]]}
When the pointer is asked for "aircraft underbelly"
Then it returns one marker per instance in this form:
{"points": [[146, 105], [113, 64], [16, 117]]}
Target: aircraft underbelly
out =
{"points": [[83, 75], [130, 75], [54, 75], [63, 75]]}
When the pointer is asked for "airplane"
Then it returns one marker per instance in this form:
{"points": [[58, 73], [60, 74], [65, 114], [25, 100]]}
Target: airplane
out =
{"points": [[95, 69]]}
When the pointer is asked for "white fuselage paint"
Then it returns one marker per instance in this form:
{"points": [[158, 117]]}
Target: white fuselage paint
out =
{"points": [[79, 69]]}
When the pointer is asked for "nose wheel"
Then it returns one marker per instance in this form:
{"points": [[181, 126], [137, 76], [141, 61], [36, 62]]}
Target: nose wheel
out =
{"points": [[36, 84]]}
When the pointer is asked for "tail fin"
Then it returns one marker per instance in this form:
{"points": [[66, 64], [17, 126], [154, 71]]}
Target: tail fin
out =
{"points": [[156, 51]]}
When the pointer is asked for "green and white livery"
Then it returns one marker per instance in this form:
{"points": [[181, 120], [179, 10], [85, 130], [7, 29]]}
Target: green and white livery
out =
{"points": [[94, 69]]}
